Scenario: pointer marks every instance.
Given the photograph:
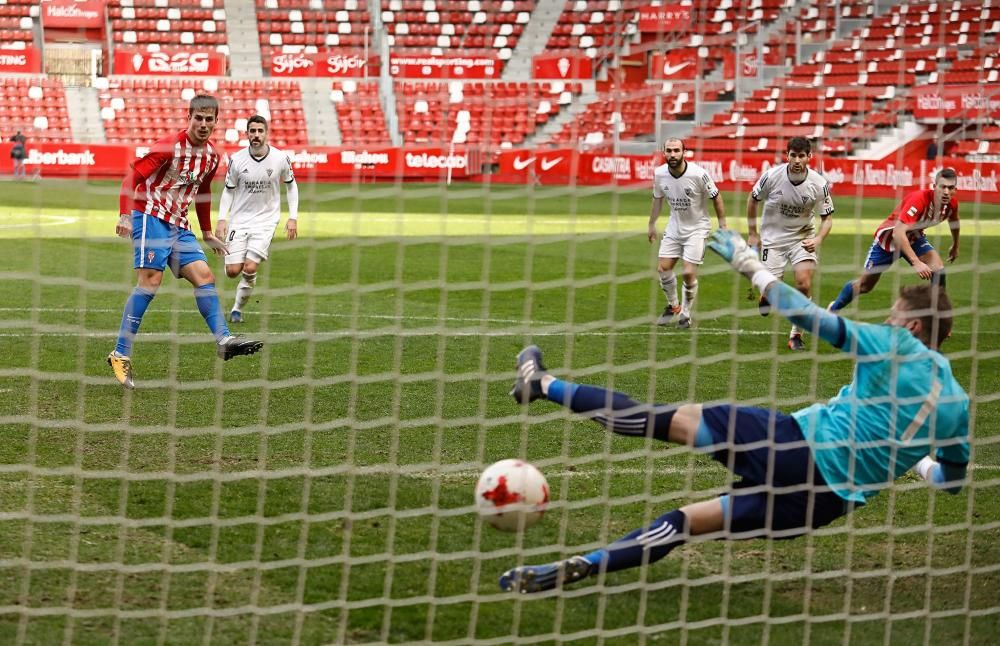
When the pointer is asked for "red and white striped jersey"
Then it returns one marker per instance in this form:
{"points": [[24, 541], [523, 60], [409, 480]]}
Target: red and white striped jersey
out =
{"points": [[917, 212], [174, 171]]}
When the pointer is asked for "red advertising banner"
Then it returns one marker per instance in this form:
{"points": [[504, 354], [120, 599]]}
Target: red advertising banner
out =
{"points": [[380, 163], [444, 67], [71, 159], [557, 66], [334, 64], [678, 65], [967, 102], [20, 61], [876, 178], [750, 64], [169, 62], [105, 160], [73, 14], [667, 18]]}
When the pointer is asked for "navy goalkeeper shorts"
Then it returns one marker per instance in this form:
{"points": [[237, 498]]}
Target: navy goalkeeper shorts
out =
{"points": [[781, 492]]}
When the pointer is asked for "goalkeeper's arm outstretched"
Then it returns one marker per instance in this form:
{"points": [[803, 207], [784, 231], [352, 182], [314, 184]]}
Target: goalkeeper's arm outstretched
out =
{"points": [[799, 471]]}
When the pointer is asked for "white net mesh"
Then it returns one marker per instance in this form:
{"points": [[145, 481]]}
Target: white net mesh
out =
{"points": [[321, 491]]}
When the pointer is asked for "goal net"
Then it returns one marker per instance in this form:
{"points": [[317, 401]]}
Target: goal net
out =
{"points": [[321, 490]]}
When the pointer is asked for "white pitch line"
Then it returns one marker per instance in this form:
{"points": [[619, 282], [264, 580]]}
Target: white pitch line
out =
{"points": [[401, 319], [54, 221], [353, 333], [334, 315], [472, 474]]}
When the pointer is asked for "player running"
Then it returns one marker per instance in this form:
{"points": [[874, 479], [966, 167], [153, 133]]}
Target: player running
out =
{"points": [[798, 472], [688, 188], [791, 193], [155, 196], [902, 235], [253, 197]]}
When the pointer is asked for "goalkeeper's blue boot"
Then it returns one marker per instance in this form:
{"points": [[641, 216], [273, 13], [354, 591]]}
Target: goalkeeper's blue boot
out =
{"points": [[538, 578], [530, 370], [235, 346], [236, 316]]}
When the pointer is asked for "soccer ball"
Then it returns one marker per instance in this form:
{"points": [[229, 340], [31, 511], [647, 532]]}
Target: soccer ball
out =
{"points": [[512, 495]]}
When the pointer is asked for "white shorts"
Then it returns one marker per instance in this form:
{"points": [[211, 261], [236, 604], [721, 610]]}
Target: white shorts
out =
{"points": [[691, 248], [776, 258], [248, 243]]}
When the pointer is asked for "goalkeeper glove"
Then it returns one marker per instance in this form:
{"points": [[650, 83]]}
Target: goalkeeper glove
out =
{"points": [[734, 250]]}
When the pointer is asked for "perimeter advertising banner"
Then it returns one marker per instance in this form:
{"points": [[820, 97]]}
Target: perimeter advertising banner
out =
{"points": [[169, 62], [876, 178], [310, 163], [363, 163], [21, 61], [73, 14], [70, 159], [333, 64], [967, 102]]}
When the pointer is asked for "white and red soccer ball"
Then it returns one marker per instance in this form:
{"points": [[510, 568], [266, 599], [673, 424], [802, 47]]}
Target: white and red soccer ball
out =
{"points": [[512, 495]]}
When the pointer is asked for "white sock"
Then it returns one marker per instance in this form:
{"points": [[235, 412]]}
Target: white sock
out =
{"points": [[244, 289], [668, 283], [795, 331], [690, 293]]}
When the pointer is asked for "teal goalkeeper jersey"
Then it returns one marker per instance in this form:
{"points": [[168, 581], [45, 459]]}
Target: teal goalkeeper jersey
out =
{"points": [[902, 404]]}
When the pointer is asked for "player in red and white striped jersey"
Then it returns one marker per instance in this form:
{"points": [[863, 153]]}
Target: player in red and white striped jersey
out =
{"points": [[154, 201], [902, 235]]}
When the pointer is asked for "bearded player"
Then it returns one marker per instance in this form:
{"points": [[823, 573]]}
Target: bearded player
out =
{"points": [[252, 202]]}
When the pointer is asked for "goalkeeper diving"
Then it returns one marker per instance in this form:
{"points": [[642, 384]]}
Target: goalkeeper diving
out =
{"points": [[798, 472]]}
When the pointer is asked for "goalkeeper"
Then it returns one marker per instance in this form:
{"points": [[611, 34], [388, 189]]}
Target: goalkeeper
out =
{"points": [[800, 471]]}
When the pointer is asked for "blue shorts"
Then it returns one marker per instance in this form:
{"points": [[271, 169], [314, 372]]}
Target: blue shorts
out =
{"points": [[158, 244], [879, 257], [781, 489]]}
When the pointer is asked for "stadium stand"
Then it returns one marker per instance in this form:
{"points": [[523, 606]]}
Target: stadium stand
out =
{"points": [[860, 84], [631, 110], [595, 29], [496, 114], [359, 113], [16, 23], [293, 26], [36, 107], [137, 109], [191, 24], [473, 28]]}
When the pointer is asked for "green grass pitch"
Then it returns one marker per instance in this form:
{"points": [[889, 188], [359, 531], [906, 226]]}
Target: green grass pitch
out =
{"points": [[321, 491]]}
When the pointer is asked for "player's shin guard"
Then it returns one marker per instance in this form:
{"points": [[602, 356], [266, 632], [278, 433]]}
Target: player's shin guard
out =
{"points": [[668, 283], [208, 304], [616, 411], [844, 298], [690, 293], [643, 546], [135, 308], [244, 289]]}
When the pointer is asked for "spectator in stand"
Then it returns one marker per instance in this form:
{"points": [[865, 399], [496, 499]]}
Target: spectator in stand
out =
{"points": [[932, 150], [17, 154]]}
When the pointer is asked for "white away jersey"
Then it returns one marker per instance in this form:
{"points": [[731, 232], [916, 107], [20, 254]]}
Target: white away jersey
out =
{"points": [[257, 182], [789, 207], [688, 197]]}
